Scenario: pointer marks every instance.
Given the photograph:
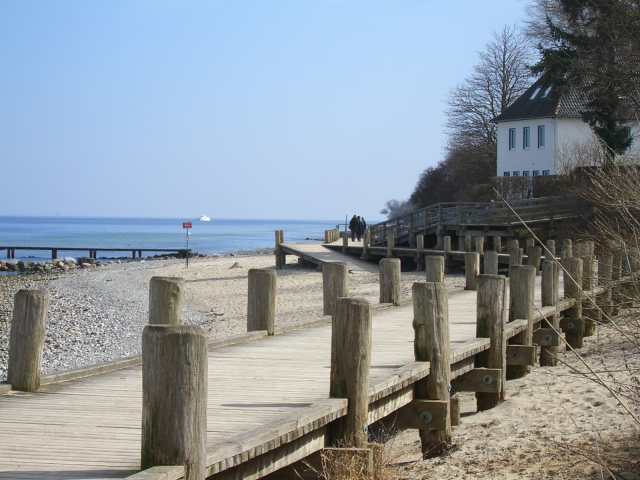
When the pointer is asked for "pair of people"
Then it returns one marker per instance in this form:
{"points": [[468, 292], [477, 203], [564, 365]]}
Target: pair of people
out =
{"points": [[357, 225]]}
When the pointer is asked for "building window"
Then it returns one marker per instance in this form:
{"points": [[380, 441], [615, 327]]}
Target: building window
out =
{"points": [[540, 136], [516, 173], [536, 173], [536, 91], [545, 172], [507, 174], [526, 137], [525, 173], [512, 139]]}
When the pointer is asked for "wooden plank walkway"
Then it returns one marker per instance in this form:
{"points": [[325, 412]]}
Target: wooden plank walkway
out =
{"points": [[318, 254], [259, 392]]}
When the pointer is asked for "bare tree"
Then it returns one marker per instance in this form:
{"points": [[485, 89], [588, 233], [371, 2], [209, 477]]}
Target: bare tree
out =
{"points": [[396, 208]]}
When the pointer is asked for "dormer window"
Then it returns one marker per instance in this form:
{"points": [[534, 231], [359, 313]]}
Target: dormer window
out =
{"points": [[535, 93], [546, 92]]}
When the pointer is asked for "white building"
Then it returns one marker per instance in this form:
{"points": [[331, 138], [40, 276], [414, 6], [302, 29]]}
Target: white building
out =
{"points": [[538, 134]]}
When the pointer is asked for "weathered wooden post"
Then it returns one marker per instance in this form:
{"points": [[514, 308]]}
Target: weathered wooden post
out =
{"points": [[446, 244], [431, 344], [434, 268], [497, 244], [345, 242], [616, 274], [531, 242], [535, 255], [480, 244], [578, 250], [515, 257], [390, 280], [590, 313], [350, 364], [335, 284], [467, 243], [366, 242], [573, 325], [472, 269], [26, 339], [460, 242], [605, 274], [491, 323], [550, 252], [550, 297], [522, 280], [567, 248], [261, 304], [419, 255], [391, 244], [174, 398], [166, 298], [278, 250], [512, 244], [491, 262]]}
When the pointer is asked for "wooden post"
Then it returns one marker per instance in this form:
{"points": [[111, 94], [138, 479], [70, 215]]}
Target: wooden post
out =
{"points": [[467, 243], [535, 255], [460, 242], [522, 280], [515, 257], [573, 269], [335, 284], [391, 244], [261, 304], [491, 323], [350, 364], [550, 297], [617, 265], [605, 274], [431, 344], [345, 242], [497, 244], [446, 244], [578, 250], [480, 244], [491, 262], [513, 244], [567, 248], [26, 339], [174, 398], [551, 247], [472, 269], [278, 251], [434, 268], [327, 236], [366, 242], [390, 281], [166, 298], [419, 255], [590, 312], [531, 242]]}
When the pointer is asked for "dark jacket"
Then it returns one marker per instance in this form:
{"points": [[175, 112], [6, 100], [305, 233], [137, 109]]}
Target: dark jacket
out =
{"points": [[353, 224]]}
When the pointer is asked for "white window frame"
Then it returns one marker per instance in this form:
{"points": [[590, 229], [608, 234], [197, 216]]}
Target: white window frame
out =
{"points": [[525, 173], [512, 139], [526, 138], [545, 172], [541, 135], [516, 173], [536, 173]]}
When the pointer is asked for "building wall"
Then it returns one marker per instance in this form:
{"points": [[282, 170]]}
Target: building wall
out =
{"points": [[533, 158]]}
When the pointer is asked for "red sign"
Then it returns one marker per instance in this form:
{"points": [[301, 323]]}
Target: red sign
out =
{"points": [[186, 225]]}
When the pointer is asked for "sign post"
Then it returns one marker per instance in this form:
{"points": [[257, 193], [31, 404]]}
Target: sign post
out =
{"points": [[187, 225]]}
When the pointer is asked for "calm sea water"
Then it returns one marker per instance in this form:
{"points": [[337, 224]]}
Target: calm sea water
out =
{"points": [[216, 236]]}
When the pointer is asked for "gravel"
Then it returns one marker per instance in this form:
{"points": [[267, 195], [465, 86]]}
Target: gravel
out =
{"points": [[103, 324]]}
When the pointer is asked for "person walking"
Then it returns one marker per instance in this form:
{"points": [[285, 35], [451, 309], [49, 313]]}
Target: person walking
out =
{"points": [[353, 226], [364, 226], [359, 229]]}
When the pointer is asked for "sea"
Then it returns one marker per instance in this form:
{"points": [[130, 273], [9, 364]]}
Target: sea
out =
{"points": [[221, 236]]}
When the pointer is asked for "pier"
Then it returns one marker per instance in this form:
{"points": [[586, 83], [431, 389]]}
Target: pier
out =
{"points": [[93, 251], [270, 401]]}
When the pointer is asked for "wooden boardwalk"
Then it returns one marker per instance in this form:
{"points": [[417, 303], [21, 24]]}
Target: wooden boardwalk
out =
{"points": [[264, 394]]}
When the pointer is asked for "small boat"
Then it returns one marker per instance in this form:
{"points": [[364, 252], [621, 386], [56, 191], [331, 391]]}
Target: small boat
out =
{"points": [[204, 218]]}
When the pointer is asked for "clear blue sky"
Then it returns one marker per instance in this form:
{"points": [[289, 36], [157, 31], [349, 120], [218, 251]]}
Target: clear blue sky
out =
{"points": [[234, 109]]}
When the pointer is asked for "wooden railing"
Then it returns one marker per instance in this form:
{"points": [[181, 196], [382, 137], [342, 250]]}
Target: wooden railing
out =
{"points": [[456, 215]]}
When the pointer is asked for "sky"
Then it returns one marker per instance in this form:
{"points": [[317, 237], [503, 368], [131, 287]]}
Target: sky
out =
{"points": [[301, 109]]}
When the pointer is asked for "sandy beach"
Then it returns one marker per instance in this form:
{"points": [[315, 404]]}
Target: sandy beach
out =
{"points": [[542, 430]]}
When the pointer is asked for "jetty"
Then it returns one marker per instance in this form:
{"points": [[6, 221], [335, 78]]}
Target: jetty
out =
{"points": [[93, 251], [255, 405]]}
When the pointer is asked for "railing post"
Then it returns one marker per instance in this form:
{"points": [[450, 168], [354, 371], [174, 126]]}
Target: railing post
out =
{"points": [[431, 344], [390, 281], [335, 284], [419, 255], [351, 332], [491, 262], [434, 268], [472, 269], [412, 235], [26, 339], [522, 292], [261, 304], [573, 269], [491, 323], [174, 398], [550, 297], [391, 244], [166, 298]]}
